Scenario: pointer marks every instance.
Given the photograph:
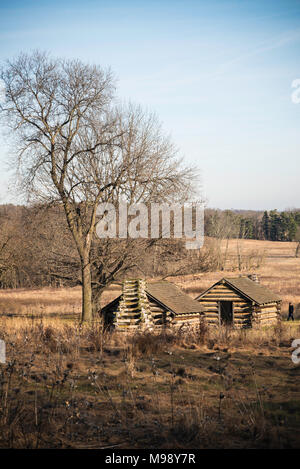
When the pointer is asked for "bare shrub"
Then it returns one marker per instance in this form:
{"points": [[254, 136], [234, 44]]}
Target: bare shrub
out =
{"points": [[148, 344], [97, 336], [203, 331]]}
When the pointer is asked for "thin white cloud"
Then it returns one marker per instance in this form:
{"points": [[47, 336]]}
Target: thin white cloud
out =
{"points": [[274, 43]]}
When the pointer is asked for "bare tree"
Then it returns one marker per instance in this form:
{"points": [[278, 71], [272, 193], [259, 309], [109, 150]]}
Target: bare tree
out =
{"points": [[221, 225], [297, 239], [76, 149], [9, 257]]}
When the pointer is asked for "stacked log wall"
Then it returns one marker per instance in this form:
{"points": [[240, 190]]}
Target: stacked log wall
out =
{"points": [[160, 316], [268, 314], [242, 307], [191, 319]]}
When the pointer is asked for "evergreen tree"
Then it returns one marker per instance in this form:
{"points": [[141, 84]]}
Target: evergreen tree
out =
{"points": [[266, 225]]}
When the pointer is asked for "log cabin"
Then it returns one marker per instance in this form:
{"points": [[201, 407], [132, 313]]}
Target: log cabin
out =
{"points": [[240, 302], [151, 305]]}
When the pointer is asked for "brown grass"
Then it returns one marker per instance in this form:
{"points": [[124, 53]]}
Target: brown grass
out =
{"points": [[81, 387], [280, 271], [56, 302], [69, 386]]}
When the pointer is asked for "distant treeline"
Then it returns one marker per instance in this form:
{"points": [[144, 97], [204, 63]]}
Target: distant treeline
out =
{"points": [[268, 225], [283, 226], [37, 249]]}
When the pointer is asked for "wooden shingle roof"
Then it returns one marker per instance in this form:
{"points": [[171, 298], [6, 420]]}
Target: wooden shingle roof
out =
{"points": [[173, 298], [254, 291]]}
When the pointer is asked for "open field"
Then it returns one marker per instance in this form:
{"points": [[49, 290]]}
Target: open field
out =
{"points": [[71, 386], [279, 270]]}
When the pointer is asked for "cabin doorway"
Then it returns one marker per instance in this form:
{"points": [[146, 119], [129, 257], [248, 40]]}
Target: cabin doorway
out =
{"points": [[226, 313]]}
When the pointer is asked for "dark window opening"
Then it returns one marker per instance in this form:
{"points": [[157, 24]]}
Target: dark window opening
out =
{"points": [[226, 312]]}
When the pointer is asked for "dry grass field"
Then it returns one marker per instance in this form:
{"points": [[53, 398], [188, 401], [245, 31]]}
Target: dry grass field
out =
{"points": [[66, 386], [71, 386], [278, 269]]}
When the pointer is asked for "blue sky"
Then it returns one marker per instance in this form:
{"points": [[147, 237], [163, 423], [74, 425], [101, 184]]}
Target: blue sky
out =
{"points": [[217, 73]]}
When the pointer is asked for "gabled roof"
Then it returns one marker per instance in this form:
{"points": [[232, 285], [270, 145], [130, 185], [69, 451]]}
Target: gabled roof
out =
{"points": [[173, 298], [168, 295], [252, 290]]}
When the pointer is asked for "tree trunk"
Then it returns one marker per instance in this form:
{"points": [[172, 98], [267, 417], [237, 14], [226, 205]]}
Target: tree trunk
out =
{"points": [[239, 258], [96, 301], [225, 255], [297, 249], [87, 312]]}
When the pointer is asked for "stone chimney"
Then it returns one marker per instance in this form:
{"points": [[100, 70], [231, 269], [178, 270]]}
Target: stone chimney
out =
{"points": [[254, 277], [134, 309]]}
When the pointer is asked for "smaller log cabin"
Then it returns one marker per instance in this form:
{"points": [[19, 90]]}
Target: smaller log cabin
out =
{"points": [[240, 302], [149, 305]]}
